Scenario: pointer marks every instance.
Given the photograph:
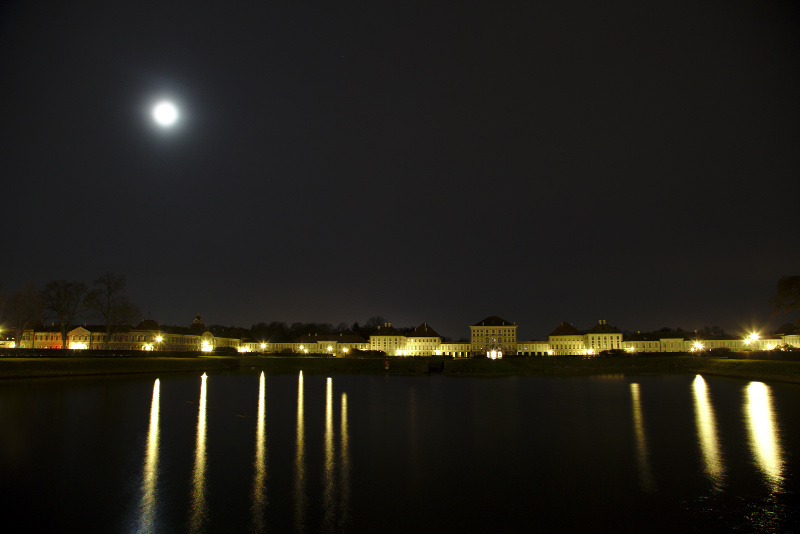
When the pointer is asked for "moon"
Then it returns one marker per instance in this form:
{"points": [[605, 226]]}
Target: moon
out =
{"points": [[165, 114]]}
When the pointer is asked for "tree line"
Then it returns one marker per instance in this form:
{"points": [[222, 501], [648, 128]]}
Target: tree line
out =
{"points": [[278, 332], [66, 303]]}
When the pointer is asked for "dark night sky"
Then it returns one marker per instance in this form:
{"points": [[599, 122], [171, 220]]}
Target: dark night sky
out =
{"points": [[559, 161]]}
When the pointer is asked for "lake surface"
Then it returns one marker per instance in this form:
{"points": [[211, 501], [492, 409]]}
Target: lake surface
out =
{"points": [[239, 452]]}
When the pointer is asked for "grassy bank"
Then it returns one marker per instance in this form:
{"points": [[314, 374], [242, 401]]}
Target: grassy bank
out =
{"points": [[769, 370]]}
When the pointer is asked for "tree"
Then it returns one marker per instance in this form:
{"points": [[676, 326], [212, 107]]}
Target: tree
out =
{"points": [[374, 322], [787, 297], [25, 308], [2, 303], [108, 301], [711, 331], [65, 301], [343, 329], [273, 332]]}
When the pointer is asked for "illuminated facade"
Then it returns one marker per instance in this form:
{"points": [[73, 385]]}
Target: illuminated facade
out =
{"points": [[566, 340], [333, 344], [603, 336], [424, 341], [47, 337], [389, 340], [493, 334], [533, 348], [148, 335], [460, 349]]}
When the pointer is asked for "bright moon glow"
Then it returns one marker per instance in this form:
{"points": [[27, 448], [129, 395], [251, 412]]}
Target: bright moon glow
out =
{"points": [[165, 113]]}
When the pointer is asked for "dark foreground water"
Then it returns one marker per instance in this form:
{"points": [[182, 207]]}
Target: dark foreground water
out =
{"points": [[282, 453]]}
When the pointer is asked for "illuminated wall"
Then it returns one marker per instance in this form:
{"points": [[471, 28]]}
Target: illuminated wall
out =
{"points": [[493, 333], [388, 340]]}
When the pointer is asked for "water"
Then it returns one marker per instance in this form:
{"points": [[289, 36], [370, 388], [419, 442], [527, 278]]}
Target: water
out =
{"points": [[358, 453]]}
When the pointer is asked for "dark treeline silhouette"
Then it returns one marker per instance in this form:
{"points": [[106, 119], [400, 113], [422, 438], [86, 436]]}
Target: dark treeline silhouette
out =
{"points": [[278, 332], [787, 297]]}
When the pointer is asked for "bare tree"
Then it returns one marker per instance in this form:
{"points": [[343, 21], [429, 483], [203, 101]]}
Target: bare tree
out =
{"points": [[2, 302], [374, 322], [25, 308], [65, 301], [107, 299], [787, 297]]}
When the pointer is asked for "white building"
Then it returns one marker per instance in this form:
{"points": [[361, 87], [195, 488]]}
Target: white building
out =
{"points": [[330, 344], [389, 340], [566, 340], [423, 341], [493, 334], [602, 337]]}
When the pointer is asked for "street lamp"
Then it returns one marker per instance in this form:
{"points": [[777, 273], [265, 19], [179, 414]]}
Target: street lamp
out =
{"points": [[752, 339]]}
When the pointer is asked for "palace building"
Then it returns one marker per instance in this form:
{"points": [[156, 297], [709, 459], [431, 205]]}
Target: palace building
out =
{"points": [[493, 336]]}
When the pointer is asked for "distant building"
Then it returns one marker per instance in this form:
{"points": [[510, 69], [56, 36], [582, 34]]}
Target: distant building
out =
{"points": [[789, 334], [461, 349], [148, 335], [644, 342], [493, 333], [331, 344], [533, 348], [423, 341], [389, 340], [566, 340], [45, 337], [602, 337]]}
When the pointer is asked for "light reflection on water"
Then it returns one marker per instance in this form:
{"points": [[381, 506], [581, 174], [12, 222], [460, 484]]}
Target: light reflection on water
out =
{"points": [[308, 471], [344, 462], [147, 507], [643, 455], [327, 481], [260, 463], [300, 470], [331, 486], [764, 441], [198, 509], [706, 424]]}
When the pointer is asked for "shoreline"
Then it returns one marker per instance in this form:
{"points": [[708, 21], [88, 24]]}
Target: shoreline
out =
{"points": [[768, 370]]}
